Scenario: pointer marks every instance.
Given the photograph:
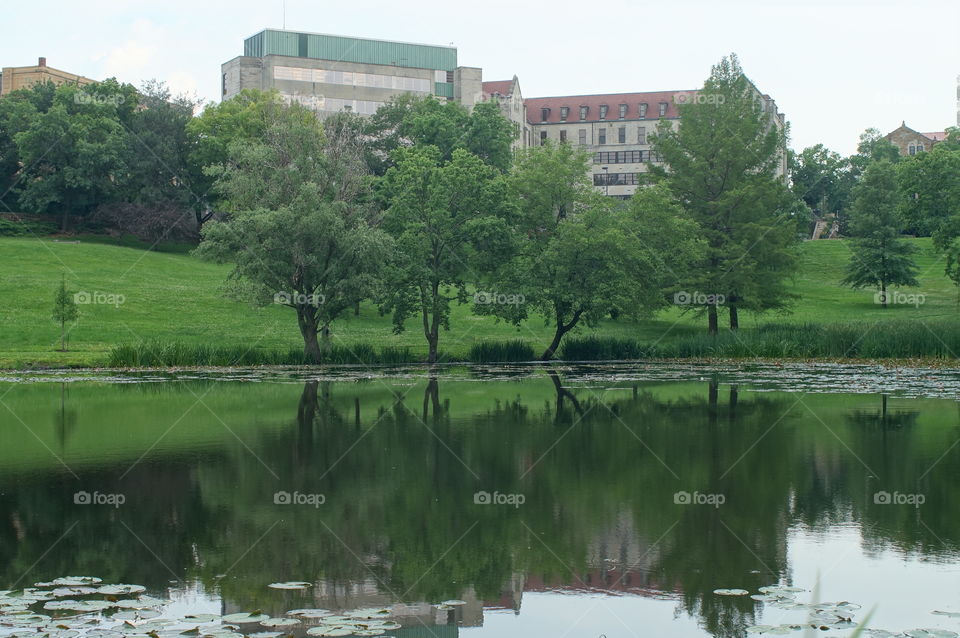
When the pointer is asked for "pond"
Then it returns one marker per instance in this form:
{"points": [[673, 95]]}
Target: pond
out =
{"points": [[582, 501]]}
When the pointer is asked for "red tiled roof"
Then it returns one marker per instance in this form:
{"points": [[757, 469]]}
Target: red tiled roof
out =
{"points": [[503, 87], [939, 136], [613, 102]]}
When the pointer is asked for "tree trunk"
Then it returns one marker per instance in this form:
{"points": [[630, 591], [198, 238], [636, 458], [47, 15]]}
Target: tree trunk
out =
{"points": [[561, 330], [883, 293], [431, 321], [712, 319], [734, 318], [307, 321], [63, 337], [325, 345]]}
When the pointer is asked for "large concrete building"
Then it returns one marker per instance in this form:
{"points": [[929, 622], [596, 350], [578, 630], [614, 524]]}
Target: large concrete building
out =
{"points": [[13, 78], [332, 73]]}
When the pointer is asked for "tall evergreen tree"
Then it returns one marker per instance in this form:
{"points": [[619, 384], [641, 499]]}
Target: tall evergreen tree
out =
{"points": [[722, 163], [881, 257]]}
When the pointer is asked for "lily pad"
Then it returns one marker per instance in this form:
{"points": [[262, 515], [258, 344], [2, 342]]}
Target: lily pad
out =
{"points": [[76, 581], [950, 614], [310, 613], [244, 618], [121, 590], [931, 633], [455, 603], [731, 592], [279, 622]]}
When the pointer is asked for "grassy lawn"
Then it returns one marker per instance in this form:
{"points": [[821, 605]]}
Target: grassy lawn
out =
{"points": [[172, 296]]}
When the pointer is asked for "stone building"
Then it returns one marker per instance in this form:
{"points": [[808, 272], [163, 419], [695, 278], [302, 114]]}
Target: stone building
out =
{"points": [[911, 142], [614, 127], [332, 73], [13, 78]]}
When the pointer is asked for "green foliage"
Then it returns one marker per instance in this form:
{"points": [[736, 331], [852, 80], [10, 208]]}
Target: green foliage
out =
{"points": [[880, 257], [580, 255], [73, 152], [930, 191], [296, 235], [515, 350], [64, 310], [425, 121], [164, 354], [721, 164], [449, 220], [25, 228], [886, 340], [820, 178]]}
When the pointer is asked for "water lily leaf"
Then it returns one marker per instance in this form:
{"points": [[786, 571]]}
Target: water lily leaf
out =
{"points": [[310, 613], [931, 633], [76, 581], [370, 632], [759, 629], [201, 618], [730, 592], [950, 614], [243, 618], [290, 585], [279, 622], [455, 603], [121, 590], [265, 634]]}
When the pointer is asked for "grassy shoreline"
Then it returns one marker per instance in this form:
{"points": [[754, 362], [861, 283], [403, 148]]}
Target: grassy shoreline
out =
{"points": [[171, 297]]}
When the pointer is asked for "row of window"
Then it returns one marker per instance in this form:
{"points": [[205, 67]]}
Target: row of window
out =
{"points": [[623, 112], [333, 104], [616, 179], [601, 136], [348, 78], [624, 157], [915, 148]]}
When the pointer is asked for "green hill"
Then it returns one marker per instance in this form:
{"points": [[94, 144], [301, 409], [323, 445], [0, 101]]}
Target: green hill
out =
{"points": [[174, 297]]}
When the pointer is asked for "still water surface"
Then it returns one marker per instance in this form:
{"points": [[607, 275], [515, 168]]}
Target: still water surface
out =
{"points": [[602, 500]]}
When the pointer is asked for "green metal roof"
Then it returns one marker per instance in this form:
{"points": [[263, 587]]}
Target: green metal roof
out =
{"points": [[344, 49]]}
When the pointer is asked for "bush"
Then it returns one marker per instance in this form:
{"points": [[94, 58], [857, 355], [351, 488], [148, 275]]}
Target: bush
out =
{"points": [[25, 228], [157, 354], [501, 351]]}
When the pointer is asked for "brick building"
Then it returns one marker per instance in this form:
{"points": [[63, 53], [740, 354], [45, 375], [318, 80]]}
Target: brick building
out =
{"points": [[911, 142], [23, 77]]}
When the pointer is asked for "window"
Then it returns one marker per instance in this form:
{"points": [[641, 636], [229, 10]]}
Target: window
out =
{"points": [[543, 137], [663, 109], [621, 157], [544, 114], [602, 135], [583, 112], [919, 148], [623, 111], [564, 112], [603, 111], [583, 136], [616, 179], [563, 137], [641, 135], [224, 83], [913, 149], [622, 135], [643, 110]]}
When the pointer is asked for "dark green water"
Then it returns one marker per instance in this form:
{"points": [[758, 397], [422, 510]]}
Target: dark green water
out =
{"points": [[623, 496]]}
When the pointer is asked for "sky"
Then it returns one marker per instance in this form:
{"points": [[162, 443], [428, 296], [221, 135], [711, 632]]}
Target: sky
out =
{"points": [[835, 68]]}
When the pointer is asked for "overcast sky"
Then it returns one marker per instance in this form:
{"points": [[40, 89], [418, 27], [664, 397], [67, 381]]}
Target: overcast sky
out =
{"points": [[835, 68]]}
